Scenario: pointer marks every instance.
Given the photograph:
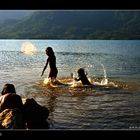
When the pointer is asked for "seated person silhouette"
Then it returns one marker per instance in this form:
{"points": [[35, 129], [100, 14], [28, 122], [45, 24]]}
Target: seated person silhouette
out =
{"points": [[83, 77], [11, 109], [9, 99], [14, 114]]}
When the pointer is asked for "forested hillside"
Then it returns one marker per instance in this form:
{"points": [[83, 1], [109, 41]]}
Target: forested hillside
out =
{"points": [[74, 25]]}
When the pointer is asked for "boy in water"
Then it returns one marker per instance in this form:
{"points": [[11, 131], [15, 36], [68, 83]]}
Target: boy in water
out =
{"points": [[83, 77], [52, 62]]}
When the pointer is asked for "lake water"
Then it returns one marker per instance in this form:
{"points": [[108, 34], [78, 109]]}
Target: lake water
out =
{"points": [[113, 66]]}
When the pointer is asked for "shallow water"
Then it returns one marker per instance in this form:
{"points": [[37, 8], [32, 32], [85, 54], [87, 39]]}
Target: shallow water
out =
{"points": [[110, 104]]}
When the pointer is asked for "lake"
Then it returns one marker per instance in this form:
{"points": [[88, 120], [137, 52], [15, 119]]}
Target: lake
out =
{"points": [[113, 66]]}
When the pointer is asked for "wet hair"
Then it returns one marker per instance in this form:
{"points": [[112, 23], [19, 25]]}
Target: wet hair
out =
{"points": [[82, 76], [8, 88], [49, 51], [81, 71]]}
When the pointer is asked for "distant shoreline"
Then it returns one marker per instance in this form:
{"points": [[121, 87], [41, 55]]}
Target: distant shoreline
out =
{"points": [[61, 39]]}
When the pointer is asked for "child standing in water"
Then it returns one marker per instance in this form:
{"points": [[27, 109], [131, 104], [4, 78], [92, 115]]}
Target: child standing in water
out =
{"points": [[83, 77], [52, 62]]}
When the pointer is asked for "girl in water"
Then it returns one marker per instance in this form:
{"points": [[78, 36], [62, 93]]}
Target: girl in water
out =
{"points": [[52, 63]]}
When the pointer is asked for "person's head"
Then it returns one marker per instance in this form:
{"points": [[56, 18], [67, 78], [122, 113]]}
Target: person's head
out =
{"points": [[81, 72], [8, 88], [49, 51]]}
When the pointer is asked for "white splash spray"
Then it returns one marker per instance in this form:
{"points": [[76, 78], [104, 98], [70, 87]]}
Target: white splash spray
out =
{"points": [[104, 80], [74, 83], [28, 48]]}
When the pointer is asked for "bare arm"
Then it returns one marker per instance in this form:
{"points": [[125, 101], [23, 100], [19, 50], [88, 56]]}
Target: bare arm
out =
{"points": [[77, 79], [44, 68]]}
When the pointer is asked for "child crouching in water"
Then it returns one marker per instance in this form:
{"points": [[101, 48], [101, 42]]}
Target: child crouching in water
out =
{"points": [[83, 77]]}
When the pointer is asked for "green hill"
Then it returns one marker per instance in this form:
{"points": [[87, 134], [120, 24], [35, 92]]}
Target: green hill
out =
{"points": [[74, 25]]}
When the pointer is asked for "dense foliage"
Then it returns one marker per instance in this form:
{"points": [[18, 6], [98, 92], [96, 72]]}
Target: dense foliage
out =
{"points": [[74, 25]]}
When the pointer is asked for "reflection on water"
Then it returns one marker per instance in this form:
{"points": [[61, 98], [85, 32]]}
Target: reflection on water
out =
{"points": [[97, 107], [113, 66]]}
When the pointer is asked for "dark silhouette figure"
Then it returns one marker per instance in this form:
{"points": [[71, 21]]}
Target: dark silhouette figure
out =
{"points": [[52, 62], [9, 98], [35, 115], [11, 108], [14, 114], [8, 88], [83, 77]]}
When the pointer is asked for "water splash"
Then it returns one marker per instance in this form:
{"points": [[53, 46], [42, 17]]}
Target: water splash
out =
{"points": [[74, 83], [52, 82], [28, 48], [47, 81], [104, 80]]}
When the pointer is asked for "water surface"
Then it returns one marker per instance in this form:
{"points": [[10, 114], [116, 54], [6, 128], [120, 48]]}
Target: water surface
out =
{"points": [[111, 105]]}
